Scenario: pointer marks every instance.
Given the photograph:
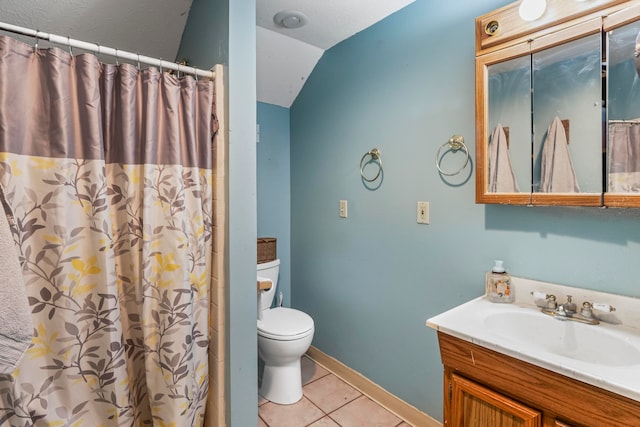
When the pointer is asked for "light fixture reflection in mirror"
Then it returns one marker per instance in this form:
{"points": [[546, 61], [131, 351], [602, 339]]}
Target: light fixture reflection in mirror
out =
{"points": [[530, 10]]}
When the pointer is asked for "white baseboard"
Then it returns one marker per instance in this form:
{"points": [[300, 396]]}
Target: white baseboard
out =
{"points": [[397, 406]]}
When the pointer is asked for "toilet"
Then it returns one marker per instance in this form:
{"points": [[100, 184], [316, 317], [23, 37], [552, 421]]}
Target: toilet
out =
{"points": [[284, 335]]}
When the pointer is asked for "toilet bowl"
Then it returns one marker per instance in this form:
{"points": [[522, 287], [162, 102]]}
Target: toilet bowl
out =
{"points": [[284, 335]]}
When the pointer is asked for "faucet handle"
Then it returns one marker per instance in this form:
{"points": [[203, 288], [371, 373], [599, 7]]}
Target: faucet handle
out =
{"points": [[538, 295], [586, 310], [569, 306], [551, 302], [603, 307]]}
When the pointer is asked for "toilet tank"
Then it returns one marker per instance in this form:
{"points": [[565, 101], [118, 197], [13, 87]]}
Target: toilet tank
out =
{"points": [[269, 270]]}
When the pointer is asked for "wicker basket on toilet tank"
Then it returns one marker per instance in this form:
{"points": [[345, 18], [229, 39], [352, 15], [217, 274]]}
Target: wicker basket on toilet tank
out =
{"points": [[266, 249]]}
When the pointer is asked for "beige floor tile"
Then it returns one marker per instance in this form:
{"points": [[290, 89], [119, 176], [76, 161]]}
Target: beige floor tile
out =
{"points": [[261, 423], [404, 424], [311, 371], [329, 393], [364, 412], [325, 422], [299, 414]]}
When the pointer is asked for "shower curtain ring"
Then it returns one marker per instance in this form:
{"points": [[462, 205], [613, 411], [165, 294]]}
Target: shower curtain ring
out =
{"points": [[375, 157], [35, 46], [117, 63], [98, 48], [138, 62], [195, 73], [69, 44]]}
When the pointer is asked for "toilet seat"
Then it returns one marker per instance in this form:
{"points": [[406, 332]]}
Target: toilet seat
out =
{"points": [[284, 324]]}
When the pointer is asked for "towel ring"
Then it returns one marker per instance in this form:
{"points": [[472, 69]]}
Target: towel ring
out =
{"points": [[375, 157], [455, 143]]}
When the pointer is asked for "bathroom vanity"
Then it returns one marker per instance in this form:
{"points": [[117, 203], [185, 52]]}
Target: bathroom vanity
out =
{"points": [[511, 365], [486, 388]]}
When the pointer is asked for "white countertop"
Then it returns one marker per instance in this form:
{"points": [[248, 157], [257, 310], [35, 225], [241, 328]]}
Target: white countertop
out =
{"points": [[468, 322]]}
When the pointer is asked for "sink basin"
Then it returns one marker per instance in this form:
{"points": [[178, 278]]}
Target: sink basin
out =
{"points": [[565, 338], [606, 356]]}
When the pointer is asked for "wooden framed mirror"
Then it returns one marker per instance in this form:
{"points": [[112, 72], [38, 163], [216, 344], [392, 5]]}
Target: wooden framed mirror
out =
{"points": [[542, 136]]}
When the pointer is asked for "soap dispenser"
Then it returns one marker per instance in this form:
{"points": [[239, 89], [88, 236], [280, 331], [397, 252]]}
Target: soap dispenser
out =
{"points": [[498, 284]]}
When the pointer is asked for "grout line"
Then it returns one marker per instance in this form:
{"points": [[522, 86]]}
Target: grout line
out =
{"points": [[351, 401], [316, 379], [328, 414], [339, 425], [324, 414], [334, 420], [359, 390]]}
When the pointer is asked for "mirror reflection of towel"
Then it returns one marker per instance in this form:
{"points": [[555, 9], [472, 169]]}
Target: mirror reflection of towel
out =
{"points": [[501, 177], [557, 174], [16, 328]]}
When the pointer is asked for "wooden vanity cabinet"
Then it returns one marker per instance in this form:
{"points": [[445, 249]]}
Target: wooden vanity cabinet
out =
{"points": [[484, 388], [475, 405]]}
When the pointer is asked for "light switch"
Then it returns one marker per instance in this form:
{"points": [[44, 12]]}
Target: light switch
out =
{"points": [[343, 208]]}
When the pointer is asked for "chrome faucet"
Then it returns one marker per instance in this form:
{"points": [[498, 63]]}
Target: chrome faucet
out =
{"points": [[569, 311]]}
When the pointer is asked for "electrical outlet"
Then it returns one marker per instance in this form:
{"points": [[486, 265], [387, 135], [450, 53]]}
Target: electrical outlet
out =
{"points": [[422, 212], [343, 208]]}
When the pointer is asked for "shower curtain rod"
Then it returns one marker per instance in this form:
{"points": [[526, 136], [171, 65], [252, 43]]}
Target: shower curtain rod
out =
{"points": [[631, 122], [95, 47]]}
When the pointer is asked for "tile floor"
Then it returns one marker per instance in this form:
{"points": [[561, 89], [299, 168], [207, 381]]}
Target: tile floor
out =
{"points": [[327, 401]]}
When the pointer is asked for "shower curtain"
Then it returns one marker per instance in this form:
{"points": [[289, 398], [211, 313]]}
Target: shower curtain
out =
{"points": [[108, 171], [624, 157]]}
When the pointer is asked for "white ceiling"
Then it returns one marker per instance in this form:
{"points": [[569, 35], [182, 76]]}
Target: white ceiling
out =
{"points": [[149, 27], [285, 57]]}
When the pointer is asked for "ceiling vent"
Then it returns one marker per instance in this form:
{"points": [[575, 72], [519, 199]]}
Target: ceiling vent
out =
{"points": [[290, 19]]}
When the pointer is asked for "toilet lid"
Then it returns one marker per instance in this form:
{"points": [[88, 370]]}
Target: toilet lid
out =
{"points": [[284, 322]]}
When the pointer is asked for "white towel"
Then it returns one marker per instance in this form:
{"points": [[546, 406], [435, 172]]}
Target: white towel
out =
{"points": [[557, 174], [501, 177], [16, 328]]}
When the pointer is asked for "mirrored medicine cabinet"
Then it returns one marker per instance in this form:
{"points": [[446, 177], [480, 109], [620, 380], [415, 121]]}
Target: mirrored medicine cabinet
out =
{"points": [[558, 105]]}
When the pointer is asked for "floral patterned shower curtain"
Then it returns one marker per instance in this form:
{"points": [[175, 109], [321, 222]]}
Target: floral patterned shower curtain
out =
{"points": [[107, 170]]}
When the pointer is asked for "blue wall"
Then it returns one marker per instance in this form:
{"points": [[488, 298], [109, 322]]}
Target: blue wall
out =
{"points": [[205, 40], [274, 187], [372, 280], [224, 31]]}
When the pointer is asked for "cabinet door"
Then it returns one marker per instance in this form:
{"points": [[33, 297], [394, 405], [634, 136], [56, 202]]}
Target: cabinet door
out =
{"points": [[476, 406], [539, 120], [623, 109], [503, 126], [567, 117]]}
